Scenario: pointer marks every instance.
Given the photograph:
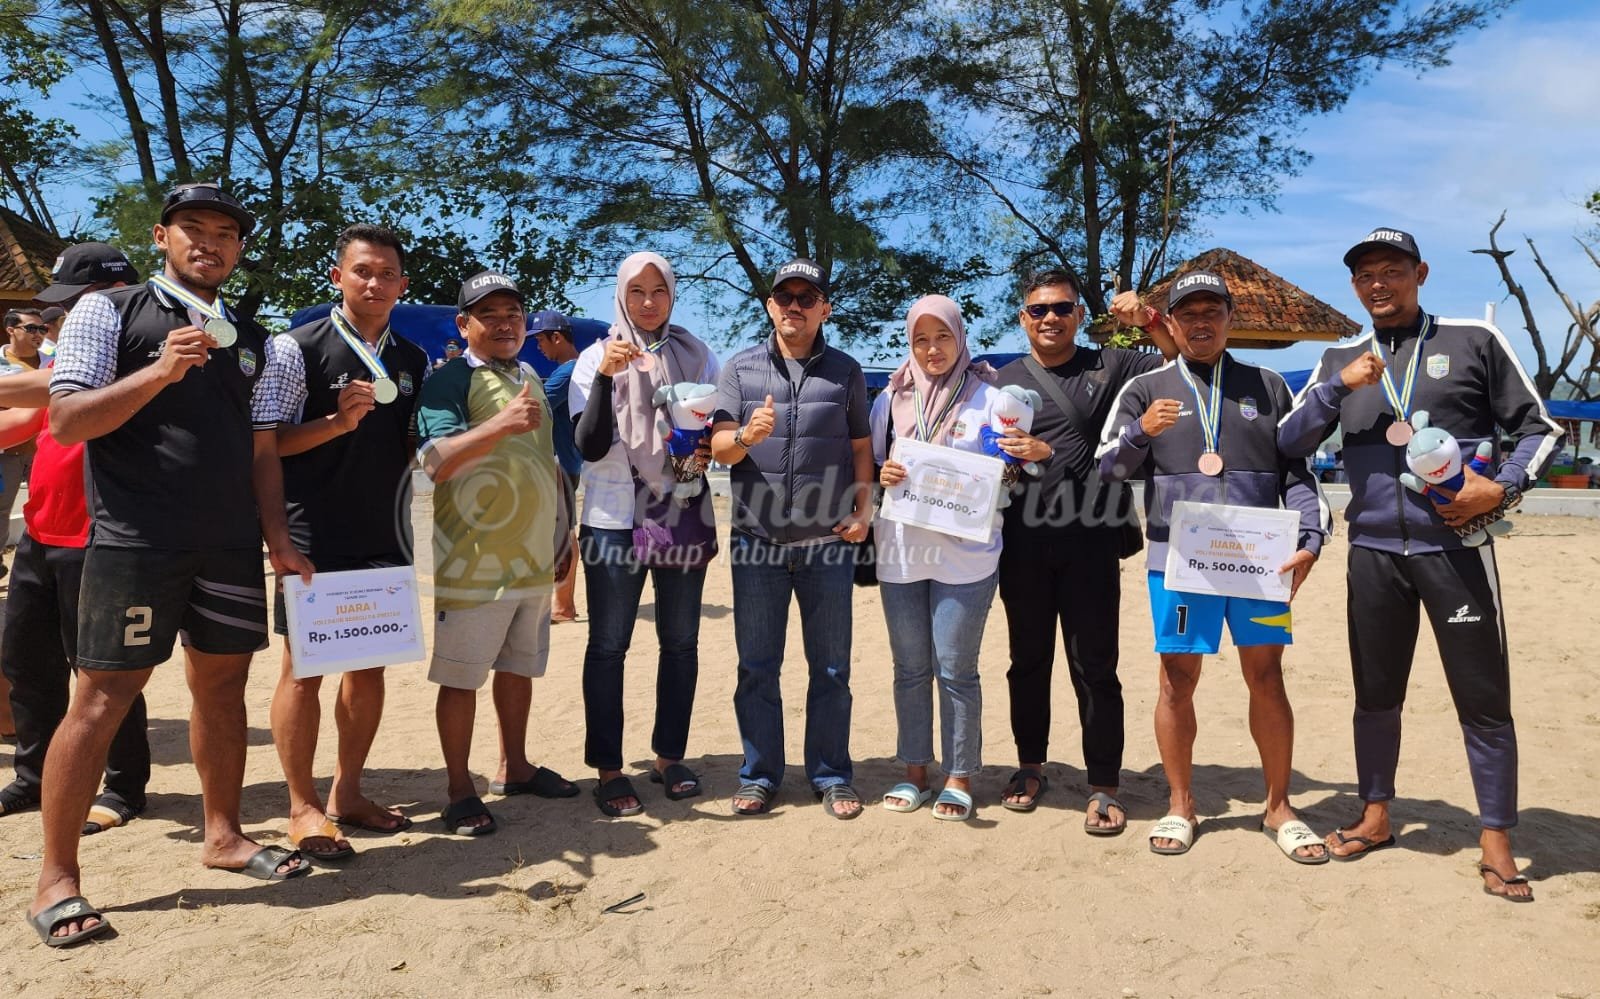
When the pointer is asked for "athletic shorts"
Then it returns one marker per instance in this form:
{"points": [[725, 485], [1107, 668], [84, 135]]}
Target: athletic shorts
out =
{"points": [[136, 602], [330, 563], [1192, 622], [507, 635]]}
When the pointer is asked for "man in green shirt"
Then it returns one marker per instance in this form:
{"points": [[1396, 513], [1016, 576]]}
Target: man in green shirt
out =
{"points": [[499, 529]]}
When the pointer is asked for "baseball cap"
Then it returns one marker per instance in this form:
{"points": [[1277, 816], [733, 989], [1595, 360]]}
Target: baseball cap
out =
{"points": [[483, 284], [549, 320], [53, 313], [453, 342], [805, 270], [1196, 282], [210, 197], [1389, 239], [83, 265]]}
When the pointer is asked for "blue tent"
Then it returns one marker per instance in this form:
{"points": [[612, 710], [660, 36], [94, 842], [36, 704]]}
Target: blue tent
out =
{"points": [[429, 326]]}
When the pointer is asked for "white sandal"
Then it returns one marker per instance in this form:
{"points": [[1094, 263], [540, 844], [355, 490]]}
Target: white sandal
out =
{"points": [[1173, 827], [1292, 836], [911, 797]]}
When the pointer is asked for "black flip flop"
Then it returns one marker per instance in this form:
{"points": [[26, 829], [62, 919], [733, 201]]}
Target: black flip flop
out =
{"points": [[349, 823], [840, 792], [544, 783], [1103, 803], [615, 789], [468, 808], [122, 813], [264, 863], [1505, 882], [675, 774], [1367, 846], [759, 793], [65, 911], [1018, 784]]}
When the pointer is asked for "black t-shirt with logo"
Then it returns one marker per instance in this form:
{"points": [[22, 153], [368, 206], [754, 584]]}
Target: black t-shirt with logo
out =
{"points": [[350, 496]]}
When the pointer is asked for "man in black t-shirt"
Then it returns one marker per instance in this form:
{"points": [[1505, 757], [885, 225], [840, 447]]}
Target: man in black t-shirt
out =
{"points": [[174, 395], [1062, 539], [347, 442]]}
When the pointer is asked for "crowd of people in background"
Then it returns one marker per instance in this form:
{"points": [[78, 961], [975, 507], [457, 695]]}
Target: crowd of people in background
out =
{"points": [[147, 398]]}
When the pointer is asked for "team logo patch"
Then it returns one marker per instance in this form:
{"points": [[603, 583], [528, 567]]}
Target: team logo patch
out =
{"points": [[1438, 365], [405, 383], [1247, 408], [247, 360]]}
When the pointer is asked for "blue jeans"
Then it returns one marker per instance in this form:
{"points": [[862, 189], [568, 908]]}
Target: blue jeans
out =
{"points": [[933, 624], [613, 582], [765, 576]]}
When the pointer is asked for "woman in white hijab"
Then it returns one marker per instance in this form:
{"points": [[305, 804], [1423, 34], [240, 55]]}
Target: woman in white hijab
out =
{"points": [[627, 484]]}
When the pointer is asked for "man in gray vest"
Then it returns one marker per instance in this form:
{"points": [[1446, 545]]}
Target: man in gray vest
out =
{"points": [[792, 424]]}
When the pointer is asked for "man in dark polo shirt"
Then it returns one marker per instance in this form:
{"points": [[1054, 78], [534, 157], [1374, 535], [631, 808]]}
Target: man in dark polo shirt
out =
{"points": [[174, 395], [1058, 567], [350, 390]]}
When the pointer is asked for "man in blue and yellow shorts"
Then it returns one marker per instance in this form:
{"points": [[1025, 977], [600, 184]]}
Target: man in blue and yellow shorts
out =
{"points": [[1203, 429]]}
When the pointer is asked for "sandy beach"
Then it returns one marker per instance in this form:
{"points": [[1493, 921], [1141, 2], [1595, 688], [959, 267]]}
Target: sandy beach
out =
{"points": [[796, 903]]}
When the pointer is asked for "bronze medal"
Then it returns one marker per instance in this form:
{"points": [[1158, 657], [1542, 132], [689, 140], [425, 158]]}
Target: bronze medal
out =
{"points": [[1210, 463], [1399, 433]]}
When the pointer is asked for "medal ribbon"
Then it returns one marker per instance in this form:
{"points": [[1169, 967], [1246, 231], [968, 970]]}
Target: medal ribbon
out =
{"points": [[1402, 401], [924, 426], [1210, 415], [213, 310], [353, 340]]}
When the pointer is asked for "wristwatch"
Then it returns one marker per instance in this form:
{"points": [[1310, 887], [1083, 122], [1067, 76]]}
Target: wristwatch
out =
{"points": [[738, 438], [1513, 495]]}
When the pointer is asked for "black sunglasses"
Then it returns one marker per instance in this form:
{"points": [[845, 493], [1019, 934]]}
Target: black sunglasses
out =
{"points": [[807, 299], [1062, 309], [38, 329]]}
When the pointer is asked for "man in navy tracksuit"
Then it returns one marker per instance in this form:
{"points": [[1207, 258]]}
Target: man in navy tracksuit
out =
{"points": [[1405, 552], [1203, 429]]}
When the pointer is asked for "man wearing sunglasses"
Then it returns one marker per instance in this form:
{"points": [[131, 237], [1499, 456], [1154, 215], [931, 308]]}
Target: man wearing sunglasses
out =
{"points": [[1063, 537], [792, 422], [25, 331]]}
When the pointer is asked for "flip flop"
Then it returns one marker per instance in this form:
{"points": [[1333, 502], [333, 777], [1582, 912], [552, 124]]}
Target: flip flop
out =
{"points": [[108, 812], [457, 812], [912, 797], [372, 827], [65, 911], [759, 793], [1292, 836], [14, 799], [544, 783], [670, 778], [327, 831], [957, 797], [1018, 784], [1173, 827], [1105, 803], [1367, 845], [1505, 882], [615, 790], [264, 863], [839, 792]]}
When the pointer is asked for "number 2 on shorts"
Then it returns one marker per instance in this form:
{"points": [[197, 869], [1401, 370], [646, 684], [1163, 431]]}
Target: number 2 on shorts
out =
{"points": [[1183, 619], [138, 630]]}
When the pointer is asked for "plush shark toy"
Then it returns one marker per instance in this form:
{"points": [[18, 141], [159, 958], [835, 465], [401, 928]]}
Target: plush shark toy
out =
{"points": [[690, 405], [1013, 406], [1434, 457]]}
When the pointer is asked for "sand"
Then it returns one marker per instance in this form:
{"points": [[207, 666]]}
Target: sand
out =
{"points": [[797, 903]]}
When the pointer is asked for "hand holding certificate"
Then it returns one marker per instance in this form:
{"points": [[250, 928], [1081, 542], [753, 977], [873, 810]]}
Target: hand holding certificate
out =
{"points": [[343, 621], [1232, 551], [945, 490]]}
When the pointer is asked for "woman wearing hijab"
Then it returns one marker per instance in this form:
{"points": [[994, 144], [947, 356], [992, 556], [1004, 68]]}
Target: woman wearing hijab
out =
{"points": [[627, 484], [936, 589]]}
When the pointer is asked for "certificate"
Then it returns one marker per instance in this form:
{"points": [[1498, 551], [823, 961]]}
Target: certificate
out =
{"points": [[345, 621], [945, 490], [1232, 551]]}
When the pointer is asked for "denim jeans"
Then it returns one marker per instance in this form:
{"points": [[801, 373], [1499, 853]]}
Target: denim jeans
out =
{"points": [[820, 577], [613, 582], [938, 626]]}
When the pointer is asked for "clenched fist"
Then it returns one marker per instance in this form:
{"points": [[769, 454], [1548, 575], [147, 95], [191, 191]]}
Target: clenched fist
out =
{"points": [[1160, 417], [1364, 370]]}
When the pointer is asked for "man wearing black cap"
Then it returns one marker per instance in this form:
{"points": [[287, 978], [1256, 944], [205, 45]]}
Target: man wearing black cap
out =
{"points": [[499, 532], [792, 421], [350, 389], [1203, 429], [41, 631], [175, 396], [452, 350], [552, 334], [1406, 553]]}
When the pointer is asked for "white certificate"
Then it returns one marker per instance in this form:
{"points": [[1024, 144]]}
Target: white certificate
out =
{"points": [[1233, 551], [945, 490], [352, 620]]}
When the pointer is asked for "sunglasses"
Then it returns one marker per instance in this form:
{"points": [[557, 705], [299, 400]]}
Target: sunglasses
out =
{"points": [[37, 329], [1062, 309], [806, 299]]}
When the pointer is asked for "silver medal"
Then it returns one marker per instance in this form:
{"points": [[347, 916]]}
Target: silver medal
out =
{"points": [[222, 331], [385, 391]]}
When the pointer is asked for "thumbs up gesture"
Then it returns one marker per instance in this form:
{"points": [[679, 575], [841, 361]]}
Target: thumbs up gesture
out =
{"points": [[761, 423], [522, 413]]}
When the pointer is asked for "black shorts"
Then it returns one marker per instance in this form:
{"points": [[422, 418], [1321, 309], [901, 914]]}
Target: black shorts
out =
{"points": [[136, 601], [331, 563]]}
